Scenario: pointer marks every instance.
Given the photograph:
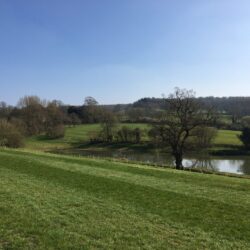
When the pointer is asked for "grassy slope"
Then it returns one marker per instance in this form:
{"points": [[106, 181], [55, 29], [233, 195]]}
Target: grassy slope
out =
{"points": [[49, 201]]}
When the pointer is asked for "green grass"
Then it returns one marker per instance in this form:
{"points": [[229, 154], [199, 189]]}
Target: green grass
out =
{"points": [[74, 136], [78, 135], [61, 202], [227, 138]]}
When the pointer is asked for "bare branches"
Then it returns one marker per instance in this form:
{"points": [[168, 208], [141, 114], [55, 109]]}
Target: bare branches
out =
{"points": [[184, 113]]}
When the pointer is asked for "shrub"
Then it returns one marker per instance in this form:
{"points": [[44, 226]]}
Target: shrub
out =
{"points": [[156, 135], [10, 136], [245, 137], [108, 125], [126, 134], [245, 121], [19, 124], [138, 135], [56, 132], [94, 137], [202, 138]]}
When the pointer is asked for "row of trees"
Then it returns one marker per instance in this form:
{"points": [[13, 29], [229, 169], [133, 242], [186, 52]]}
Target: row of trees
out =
{"points": [[182, 117], [32, 116], [149, 110], [236, 107], [186, 122], [183, 122], [123, 135], [39, 116]]}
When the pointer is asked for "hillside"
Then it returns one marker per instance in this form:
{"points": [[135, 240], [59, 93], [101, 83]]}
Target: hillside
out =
{"points": [[49, 201]]}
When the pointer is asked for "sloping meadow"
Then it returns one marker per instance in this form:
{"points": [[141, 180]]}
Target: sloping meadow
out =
{"points": [[51, 201]]}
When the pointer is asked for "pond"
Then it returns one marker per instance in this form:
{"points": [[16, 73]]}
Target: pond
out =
{"points": [[230, 164]]}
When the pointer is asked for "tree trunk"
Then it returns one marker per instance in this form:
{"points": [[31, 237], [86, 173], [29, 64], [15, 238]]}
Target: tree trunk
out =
{"points": [[178, 161]]}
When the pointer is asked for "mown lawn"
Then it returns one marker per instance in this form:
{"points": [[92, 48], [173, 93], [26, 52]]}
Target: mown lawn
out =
{"points": [[61, 202]]}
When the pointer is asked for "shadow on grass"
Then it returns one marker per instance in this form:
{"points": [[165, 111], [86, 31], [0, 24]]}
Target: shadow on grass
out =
{"points": [[43, 138], [142, 147], [189, 210]]}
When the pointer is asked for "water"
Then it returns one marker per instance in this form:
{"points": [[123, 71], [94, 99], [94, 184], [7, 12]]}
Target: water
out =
{"points": [[235, 165], [229, 165]]}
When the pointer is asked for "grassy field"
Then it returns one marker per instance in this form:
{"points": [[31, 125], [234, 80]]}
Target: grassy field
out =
{"points": [[74, 136], [49, 201], [77, 135], [227, 138]]}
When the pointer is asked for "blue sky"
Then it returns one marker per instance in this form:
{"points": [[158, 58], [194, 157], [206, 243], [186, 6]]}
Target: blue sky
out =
{"points": [[120, 51]]}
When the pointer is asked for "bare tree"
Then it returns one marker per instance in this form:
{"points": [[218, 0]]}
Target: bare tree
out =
{"points": [[5, 110], [183, 114], [33, 114], [108, 124], [92, 111], [54, 123], [10, 136]]}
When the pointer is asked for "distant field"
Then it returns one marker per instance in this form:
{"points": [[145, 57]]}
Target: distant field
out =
{"points": [[227, 138], [73, 136], [80, 134], [49, 201]]}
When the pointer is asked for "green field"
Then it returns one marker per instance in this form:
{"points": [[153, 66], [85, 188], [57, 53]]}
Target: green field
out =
{"points": [[227, 138], [74, 136], [49, 201], [77, 135]]}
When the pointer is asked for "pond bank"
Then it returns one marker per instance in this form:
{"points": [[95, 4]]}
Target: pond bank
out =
{"points": [[143, 154]]}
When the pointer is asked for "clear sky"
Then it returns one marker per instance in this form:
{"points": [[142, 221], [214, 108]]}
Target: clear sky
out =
{"points": [[119, 51]]}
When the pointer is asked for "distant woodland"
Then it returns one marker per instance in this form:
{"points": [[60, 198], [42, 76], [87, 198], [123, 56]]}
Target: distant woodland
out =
{"points": [[230, 110]]}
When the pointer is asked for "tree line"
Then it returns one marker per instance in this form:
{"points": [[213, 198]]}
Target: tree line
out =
{"points": [[180, 122], [34, 116]]}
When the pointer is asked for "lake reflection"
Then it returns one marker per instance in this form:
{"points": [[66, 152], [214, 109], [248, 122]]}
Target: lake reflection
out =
{"points": [[221, 165], [235, 165]]}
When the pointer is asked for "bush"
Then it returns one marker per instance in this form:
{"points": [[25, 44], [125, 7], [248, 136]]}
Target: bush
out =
{"points": [[94, 137], [245, 121], [126, 134], [56, 132], [108, 125], [137, 135], [10, 136], [245, 137], [19, 124], [202, 137], [156, 135]]}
